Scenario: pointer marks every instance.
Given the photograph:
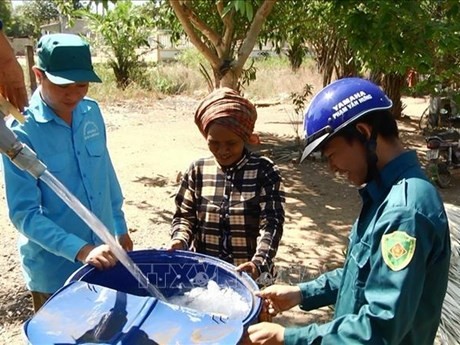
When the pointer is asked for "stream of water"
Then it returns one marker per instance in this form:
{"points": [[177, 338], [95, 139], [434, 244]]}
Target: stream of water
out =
{"points": [[101, 230]]}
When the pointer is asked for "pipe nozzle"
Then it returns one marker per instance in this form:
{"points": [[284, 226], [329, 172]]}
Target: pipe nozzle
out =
{"points": [[27, 160], [20, 154]]}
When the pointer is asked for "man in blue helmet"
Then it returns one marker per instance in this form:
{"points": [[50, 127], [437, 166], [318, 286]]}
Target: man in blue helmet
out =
{"points": [[392, 285]]}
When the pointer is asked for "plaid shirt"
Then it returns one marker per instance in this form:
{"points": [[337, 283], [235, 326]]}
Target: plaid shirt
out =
{"points": [[236, 214]]}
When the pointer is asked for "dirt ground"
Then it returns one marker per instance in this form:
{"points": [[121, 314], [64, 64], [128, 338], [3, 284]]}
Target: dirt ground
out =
{"points": [[151, 142]]}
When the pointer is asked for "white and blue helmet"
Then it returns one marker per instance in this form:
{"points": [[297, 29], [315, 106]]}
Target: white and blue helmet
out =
{"points": [[336, 106]]}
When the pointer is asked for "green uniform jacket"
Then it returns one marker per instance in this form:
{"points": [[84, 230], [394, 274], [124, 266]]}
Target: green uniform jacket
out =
{"points": [[392, 285]]}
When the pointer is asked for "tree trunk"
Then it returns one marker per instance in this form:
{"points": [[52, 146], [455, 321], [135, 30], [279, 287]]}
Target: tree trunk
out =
{"points": [[392, 85], [345, 64], [230, 79], [217, 48], [296, 54], [376, 77], [334, 58]]}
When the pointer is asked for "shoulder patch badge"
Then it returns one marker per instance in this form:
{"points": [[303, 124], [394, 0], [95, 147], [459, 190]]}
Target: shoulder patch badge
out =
{"points": [[397, 249]]}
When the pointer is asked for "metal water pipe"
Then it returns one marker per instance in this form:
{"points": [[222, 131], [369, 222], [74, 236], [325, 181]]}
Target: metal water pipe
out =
{"points": [[19, 153]]}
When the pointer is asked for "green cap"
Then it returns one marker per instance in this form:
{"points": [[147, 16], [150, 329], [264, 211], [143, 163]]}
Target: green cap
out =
{"points": [[65, 59]]}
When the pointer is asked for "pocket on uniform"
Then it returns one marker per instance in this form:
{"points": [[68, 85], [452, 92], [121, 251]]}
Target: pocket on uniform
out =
{"points": [[360, 255], [95, 148]]}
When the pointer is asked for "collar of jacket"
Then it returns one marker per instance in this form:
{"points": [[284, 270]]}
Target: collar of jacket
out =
{"points": [[389, 175]]}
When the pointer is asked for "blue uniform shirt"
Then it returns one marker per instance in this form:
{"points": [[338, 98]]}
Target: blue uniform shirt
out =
{"points": [[51, 234], [375, 303]]}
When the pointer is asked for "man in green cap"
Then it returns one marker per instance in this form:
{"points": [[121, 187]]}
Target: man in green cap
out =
{"points": [[67, 132]]}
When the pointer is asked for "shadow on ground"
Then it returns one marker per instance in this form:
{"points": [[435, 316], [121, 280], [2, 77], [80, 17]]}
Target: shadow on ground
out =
{"points": [[321, 205]]}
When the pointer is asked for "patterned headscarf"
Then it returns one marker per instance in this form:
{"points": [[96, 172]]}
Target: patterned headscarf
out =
{"points": [[226, 107]]}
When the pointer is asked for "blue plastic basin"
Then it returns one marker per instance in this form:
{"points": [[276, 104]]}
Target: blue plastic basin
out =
{"points": [[110, 307]]}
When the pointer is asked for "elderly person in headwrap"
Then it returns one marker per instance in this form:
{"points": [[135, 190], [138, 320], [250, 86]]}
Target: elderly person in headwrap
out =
{"points": [[230, 205]]}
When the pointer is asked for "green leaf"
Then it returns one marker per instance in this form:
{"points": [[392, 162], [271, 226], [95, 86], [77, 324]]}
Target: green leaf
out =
{"points": [[249, 10], [239, 5]]}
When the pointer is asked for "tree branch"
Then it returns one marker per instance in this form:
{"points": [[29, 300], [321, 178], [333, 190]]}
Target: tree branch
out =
{"points": [[228, 24], [201, 26], [184, 14], [251, 37]]}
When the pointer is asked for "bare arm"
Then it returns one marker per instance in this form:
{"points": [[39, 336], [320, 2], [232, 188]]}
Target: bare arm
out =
{"points": [[12, 85]]}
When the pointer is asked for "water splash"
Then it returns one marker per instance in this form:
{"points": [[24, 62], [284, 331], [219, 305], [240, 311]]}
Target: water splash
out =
{"points": [[101, 230]]}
